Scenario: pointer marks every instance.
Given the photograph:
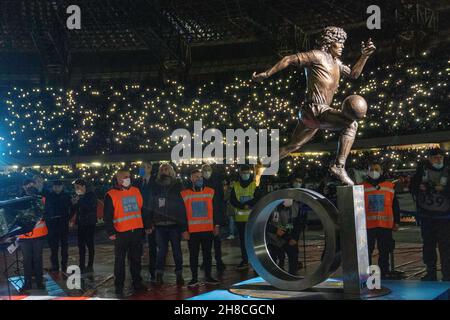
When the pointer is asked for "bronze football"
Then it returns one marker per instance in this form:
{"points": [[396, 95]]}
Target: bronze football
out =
{"points": [[354, 107]]}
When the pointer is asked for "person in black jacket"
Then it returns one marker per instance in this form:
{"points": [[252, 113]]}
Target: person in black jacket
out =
{"points": [[430, 188], [85, 208], [145, 184], [57, 215], [283, 231], [168, 216], [215, 183]]}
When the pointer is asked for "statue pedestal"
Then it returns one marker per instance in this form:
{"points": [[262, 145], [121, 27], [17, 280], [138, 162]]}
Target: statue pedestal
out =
{"points": [[353, 239], [331, 289]]}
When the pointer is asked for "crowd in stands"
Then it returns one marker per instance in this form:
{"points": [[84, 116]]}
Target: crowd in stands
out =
{"points": [[404, 98], [312, 168]]}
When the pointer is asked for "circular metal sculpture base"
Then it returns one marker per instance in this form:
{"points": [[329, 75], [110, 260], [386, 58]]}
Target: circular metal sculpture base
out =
{"points": [[256, 245]]}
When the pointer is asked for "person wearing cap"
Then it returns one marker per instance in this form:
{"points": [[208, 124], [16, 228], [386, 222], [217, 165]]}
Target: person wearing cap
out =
{"points": [[204, 218], [431, 191], [243, 199], [57, 214], [84, 205]]}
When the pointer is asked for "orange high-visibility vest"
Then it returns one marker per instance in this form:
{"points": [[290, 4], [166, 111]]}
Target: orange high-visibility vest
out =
{"points": [[199, 209], [378, 202], [40, 230], [127, 209]]}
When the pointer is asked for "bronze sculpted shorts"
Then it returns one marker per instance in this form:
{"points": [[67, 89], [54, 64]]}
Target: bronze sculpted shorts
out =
{"points": [[310, 114]]}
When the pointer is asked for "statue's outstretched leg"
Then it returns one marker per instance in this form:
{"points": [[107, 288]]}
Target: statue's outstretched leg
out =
{"points": [[302, 134], [334, 119]]}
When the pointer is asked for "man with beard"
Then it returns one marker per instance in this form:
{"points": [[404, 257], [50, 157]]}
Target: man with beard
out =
{"points": [[169, 220]]}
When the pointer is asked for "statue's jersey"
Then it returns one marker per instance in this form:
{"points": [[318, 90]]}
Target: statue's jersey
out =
{"points": [[322, 75]]}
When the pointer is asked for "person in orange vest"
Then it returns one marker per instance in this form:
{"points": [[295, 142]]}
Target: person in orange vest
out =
{"points": [[203, 218], [382, 215], [125, 223], [32, 245]]}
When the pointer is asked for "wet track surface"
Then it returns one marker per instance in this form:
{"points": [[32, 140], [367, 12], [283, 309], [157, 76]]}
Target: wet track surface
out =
{"points": [[100, 284]]}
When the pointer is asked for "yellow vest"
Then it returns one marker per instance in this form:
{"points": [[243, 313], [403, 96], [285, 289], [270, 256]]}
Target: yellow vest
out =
{"points": [[243, 195]]}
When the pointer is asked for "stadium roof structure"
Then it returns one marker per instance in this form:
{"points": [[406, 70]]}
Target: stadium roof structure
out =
{"points": [[140, 39]]}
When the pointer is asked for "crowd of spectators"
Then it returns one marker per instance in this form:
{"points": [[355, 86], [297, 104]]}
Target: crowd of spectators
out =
{"points": [[311, 167], [404, 98]]}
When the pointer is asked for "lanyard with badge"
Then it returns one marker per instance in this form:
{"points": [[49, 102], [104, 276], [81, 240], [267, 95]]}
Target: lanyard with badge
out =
{"points": [[161, 202]]}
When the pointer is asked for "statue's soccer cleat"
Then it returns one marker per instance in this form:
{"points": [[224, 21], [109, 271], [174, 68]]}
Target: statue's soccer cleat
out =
{"points": [[341, 174]]}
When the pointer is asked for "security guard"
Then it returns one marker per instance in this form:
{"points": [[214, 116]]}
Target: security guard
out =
{"points": [[431, 190], [382, 215], [125, 226], [202, 213], [243, 199]]}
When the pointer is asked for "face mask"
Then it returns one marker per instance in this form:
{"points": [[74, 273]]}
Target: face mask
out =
{"points": [[245, 176], [288, 202], [374, 174], [438, 166], [297, 185], [126, 182], [207, 174], [198, 183], [141, 172], [79, 192], [165, 179]]}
